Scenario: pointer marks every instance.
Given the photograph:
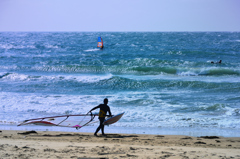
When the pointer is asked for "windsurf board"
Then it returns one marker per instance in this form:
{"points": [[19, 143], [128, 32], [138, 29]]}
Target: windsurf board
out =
{"points": [[113, 119]]}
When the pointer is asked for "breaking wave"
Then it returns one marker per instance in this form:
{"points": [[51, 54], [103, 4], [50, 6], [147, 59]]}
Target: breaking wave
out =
{"points": [[78, 78]]}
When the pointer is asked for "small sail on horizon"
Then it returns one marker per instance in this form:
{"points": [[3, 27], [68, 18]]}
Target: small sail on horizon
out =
{"points": [[100, 43]]}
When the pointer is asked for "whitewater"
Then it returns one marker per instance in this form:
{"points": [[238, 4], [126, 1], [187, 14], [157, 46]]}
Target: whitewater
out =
{"points": [[163, 81]]}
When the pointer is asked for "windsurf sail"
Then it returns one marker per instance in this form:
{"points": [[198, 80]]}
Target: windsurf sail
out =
{"points": [[100, 43], [72, 121]]}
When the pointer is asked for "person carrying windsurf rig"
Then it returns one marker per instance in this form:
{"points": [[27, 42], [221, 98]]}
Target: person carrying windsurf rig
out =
{"points": [[104, 108]]}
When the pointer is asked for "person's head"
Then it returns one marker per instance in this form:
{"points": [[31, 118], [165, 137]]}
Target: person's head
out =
{"points": [[105, 101]]}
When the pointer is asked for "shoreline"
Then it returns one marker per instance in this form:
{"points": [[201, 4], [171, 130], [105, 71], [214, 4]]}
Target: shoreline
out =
{"points": [[195, 132], [57, 144]]}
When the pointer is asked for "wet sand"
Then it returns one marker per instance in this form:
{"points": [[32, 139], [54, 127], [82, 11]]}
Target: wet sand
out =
{"points": [[49, 144]]}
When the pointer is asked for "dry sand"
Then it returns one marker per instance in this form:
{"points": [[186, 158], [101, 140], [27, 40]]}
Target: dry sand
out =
{"points": [[45, 144]]}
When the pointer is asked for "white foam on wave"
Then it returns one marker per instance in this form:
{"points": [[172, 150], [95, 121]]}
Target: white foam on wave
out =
{"points": [[25, 55], [89, 78], [233, 113], [11, 46], [91, 50], [142, 109], [51, 46], [184, 76], [155, 112], [15, 77], [187, 73], [84, 78], [18, 107], [2, 74]]}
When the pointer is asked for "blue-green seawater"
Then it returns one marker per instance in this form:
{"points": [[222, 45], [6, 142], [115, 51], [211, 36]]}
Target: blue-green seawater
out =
{"points": [[161, 80]]}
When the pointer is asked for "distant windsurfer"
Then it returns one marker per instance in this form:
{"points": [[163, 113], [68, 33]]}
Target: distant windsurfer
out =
{"points": [[100, 43], [216, 62], [104, 108]]}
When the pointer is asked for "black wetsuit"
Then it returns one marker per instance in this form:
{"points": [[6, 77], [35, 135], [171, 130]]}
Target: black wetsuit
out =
{"points": [[104, 108]]}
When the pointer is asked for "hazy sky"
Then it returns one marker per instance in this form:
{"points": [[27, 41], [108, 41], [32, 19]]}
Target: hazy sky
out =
{"points": [[119, 15]]}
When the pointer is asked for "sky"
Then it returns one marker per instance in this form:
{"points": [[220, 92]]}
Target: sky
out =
{"points": [[119, 15]]}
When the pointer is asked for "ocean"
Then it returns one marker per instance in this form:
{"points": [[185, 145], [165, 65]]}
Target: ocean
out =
{"points": [[163, 81]]}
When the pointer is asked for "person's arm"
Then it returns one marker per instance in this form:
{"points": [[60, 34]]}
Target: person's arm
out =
{"points": [[109, 111], [94, 109]]}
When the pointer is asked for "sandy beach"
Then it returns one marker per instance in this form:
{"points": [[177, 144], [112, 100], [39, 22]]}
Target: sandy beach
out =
{"points": [[48, 144]]}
